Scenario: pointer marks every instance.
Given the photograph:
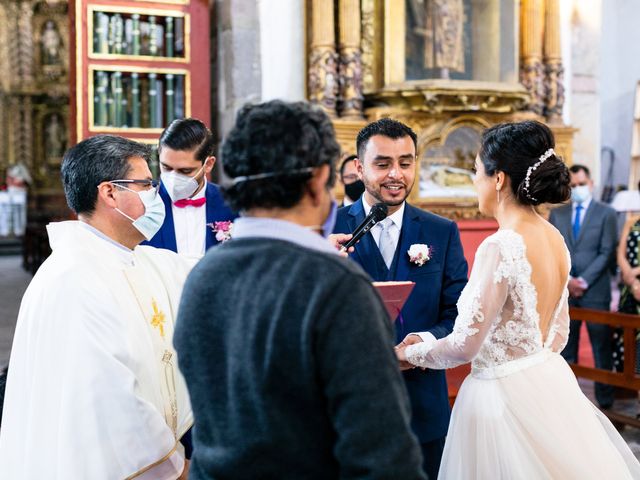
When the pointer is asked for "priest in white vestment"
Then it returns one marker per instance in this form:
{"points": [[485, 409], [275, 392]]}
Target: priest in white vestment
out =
{"points": [[94, 391]]}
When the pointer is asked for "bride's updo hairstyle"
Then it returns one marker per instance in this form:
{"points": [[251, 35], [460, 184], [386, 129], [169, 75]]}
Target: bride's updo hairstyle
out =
{"points": [[524, 152]]}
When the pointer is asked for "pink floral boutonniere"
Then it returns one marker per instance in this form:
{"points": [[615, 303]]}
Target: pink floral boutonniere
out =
{"points": [[223, 230], [419, 253]]}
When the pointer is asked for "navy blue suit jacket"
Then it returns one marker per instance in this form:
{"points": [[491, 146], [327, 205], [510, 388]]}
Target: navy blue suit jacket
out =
{"points": [[217, 211], [431, 306]]}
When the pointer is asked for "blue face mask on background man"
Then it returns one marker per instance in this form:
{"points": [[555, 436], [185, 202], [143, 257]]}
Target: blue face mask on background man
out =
{"points": [[580, 193]]}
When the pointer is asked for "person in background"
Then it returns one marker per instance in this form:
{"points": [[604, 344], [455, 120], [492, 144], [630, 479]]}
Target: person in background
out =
{"points": [[196, 215], [629, 264], [589, 229], [353, 186], [273, 324]]}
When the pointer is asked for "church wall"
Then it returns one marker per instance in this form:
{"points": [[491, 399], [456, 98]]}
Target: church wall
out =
{"points": [[282, 49], [620, 72], [583, 82]]}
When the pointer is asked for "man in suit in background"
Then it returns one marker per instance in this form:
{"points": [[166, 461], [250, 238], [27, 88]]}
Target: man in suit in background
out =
{"points": [[193, 205], [386, 164], [589, 229], [353, 186]]}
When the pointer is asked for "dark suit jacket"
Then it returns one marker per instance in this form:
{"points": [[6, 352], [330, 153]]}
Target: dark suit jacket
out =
{"points": [[430, 307], [217, 211], [593, 252]]}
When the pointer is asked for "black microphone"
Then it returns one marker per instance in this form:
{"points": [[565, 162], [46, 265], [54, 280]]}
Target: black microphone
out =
{"points": [[378, 212]]}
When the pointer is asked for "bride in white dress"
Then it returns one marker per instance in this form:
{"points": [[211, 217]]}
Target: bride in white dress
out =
{"points": [[520, 414]]}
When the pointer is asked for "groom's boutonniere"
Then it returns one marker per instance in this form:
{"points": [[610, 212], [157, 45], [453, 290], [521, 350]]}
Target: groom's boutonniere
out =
{"points": [[419, 253], [222, 230]]}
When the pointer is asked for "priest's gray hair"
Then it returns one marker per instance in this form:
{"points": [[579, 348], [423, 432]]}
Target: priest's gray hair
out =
{"points": [[93, 161]]}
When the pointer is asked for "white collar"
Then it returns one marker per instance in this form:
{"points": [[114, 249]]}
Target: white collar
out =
{"points": [[395, 217]]}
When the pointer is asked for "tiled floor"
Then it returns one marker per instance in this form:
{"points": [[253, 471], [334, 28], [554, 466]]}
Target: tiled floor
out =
{"points": [[13, 283]]}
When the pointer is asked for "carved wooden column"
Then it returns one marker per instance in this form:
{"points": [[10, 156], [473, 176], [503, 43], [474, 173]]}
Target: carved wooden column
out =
{"points": [[323, 58], [350, 68], [532, 17], [554, 89]]}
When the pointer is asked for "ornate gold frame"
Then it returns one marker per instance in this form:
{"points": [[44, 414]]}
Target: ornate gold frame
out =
{"points": [[91, 9], [129, 69]]}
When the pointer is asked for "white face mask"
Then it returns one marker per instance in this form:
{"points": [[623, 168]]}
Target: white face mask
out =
{"points": [[580, 193], [180, 186], [152, 219]]}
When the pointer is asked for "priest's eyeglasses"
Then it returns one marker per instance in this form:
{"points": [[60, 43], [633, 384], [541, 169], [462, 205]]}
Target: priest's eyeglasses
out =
{"points": [[149, 184]]}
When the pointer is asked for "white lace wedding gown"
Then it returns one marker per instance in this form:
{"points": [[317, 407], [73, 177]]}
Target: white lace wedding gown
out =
{"points": [[520, 414]]}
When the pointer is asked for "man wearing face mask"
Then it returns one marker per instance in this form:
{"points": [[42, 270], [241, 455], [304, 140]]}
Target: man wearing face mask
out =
{"points": [[590, 231], [286, 348], [353, 186], [193, 205], [93, 384]]}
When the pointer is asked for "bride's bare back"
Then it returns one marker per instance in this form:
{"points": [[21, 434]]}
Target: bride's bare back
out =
{"points": [[547, 255]]}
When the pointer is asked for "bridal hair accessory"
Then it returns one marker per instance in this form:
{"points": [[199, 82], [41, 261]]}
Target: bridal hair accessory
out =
{"points": [[419, 253], [532, 169]]}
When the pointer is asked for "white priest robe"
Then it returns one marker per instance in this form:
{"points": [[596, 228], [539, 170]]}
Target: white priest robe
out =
{"points": [[94, 391]]}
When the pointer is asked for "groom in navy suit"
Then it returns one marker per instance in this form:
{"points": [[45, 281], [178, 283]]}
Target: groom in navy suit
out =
{"points": [[386, 164], [192, 204]]}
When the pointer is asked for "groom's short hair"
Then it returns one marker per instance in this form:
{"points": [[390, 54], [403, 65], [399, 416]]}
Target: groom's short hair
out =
{"points": [[385, 127]]}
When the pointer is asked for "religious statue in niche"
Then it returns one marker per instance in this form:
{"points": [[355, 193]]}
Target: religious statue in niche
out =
{"points": [[436, 34], [446, 168], [50, 44], [55, 137]]}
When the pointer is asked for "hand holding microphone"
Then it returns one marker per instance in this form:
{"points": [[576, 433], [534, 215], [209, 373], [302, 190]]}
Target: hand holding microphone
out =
{"points": [[378, 212]]}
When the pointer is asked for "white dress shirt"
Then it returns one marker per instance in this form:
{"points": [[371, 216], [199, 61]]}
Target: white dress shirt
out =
{"points": [[394, 231], [190, 226], [376, 231]]}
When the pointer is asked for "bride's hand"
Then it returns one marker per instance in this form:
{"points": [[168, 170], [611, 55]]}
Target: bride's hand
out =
{"points": [[400, 350]]}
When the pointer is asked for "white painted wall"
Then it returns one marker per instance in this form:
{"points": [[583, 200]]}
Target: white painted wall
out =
{"points": [[282, 49], [583, 105], [619, 74]]}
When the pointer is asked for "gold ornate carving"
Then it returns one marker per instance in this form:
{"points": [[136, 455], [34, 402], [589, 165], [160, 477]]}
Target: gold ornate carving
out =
{"points": [[350, 82], [371, 44], [553, 81], [438, 96], [350, 66], [323, 58], [531, 68]]}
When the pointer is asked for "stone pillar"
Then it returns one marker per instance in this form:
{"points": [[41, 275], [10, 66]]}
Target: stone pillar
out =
{"points": [[553, 81], [350, 60], [236, 67], [323, 58], [282, 49], [531, 37]]}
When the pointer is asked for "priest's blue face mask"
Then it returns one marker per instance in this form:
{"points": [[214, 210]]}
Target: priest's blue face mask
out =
{"points": [[152, 219]]}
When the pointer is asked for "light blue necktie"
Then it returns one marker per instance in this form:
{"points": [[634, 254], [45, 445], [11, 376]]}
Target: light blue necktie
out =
{"points": [[386, 244], [576, 222]]}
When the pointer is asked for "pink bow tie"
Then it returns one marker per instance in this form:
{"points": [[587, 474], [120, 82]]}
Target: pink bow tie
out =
{"points": [[198, 202]]}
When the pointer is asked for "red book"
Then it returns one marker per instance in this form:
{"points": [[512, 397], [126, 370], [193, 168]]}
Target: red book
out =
{"points": [[394, 294]]}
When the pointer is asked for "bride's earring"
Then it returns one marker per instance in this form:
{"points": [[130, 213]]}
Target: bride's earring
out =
{"points": [[498, 191]]}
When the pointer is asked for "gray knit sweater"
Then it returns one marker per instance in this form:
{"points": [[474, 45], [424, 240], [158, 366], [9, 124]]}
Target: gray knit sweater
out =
{"points": [[288, 356]]}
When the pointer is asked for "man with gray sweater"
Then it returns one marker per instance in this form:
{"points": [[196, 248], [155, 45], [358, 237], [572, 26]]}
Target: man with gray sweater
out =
{"points": [[286, 348]]}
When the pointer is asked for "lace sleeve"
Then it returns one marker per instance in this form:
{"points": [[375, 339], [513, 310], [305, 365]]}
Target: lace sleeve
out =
{"points": [[559, 330], [479, 306]]}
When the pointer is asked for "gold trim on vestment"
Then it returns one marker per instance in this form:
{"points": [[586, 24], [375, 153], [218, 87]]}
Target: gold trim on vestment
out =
{"points": [[154, 464]]}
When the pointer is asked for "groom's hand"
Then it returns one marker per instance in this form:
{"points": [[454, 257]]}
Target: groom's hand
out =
{"points": [[400, 351]]}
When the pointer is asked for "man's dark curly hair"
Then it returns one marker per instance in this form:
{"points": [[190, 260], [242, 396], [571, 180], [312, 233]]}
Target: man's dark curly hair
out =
{"points": [[276, 137]]}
